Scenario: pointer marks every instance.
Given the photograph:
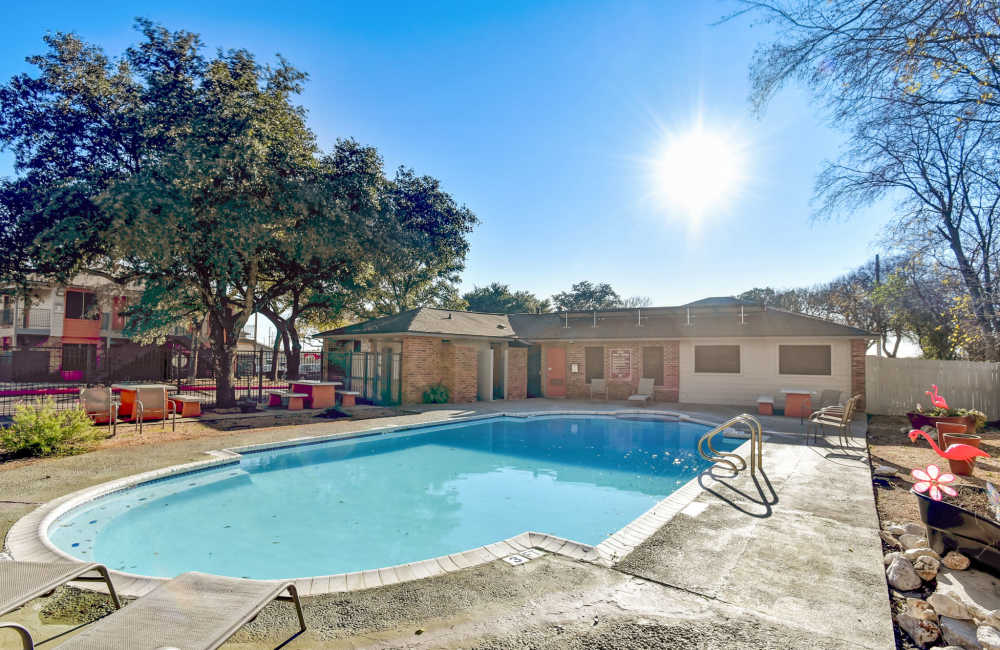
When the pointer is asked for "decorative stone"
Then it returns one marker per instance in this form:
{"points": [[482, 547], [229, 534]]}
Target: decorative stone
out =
{"points": [[922, 632], [910, 541], [901, 575], [914, 528], [988, 637], [960, 633], [885, 470], [977, 590], [926, 567], [990, 618], [945, 605], [914, 553], [889, 557], [889, 540], [918, 608], [955, 560], [895, 529]]}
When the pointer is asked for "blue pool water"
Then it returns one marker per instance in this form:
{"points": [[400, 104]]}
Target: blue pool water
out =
{"points": [[382, 500]]}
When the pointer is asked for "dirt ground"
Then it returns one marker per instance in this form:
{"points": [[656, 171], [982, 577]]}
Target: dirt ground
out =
{"points": [[211, 425], [889, 445]]}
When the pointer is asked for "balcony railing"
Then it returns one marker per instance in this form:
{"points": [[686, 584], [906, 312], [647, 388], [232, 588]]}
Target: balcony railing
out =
{"points": [[32, 318]]}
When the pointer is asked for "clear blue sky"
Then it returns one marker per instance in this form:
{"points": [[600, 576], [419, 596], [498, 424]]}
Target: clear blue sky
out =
{"points": [[542, 117]]}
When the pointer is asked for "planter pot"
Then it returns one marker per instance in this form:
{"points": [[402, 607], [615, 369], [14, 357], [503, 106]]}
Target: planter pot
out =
{"points": [[919, 420], [952, 528], [72, 375], [963, 467]]}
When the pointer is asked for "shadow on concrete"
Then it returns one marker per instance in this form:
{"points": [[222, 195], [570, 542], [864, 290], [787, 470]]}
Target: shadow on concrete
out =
{"points": [[766, 497]]}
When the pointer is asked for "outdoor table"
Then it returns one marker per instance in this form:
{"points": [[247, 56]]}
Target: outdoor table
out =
{"points": [[798, 402], [128, 397], [322, 394], [189, 405]]}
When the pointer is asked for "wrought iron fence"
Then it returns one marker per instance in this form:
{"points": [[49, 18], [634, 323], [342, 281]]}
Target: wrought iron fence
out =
{"points": [[375, 375], [58, 373]]}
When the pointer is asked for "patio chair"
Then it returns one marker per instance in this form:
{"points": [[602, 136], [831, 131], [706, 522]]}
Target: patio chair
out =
{"points": [[828, 398], [192, 611], [21, 582], [100, 404], [644, 392], [153, 403], [598, 386], [837, 417]]}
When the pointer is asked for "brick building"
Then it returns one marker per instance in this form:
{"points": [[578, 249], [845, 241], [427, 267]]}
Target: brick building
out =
{"points": [[713, 351]]}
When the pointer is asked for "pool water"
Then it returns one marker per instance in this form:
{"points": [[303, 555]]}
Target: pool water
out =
{"points": [[382, 500]]}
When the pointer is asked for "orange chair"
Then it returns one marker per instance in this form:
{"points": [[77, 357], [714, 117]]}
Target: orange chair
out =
{"points": [[153, 404]]}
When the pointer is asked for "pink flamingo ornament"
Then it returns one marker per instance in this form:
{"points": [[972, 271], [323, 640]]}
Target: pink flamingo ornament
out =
{"points": [[957, 451], [936, 399]]}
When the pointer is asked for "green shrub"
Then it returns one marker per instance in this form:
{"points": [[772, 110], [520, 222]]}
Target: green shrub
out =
{"points": [[953, 413], [437, 394], [42, 429]]}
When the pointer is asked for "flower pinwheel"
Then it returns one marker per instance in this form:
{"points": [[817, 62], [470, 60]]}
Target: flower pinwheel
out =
{"points": [[933, 482]]}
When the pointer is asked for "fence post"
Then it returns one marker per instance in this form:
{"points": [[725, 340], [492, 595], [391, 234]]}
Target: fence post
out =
{"points": [[260, 375]]}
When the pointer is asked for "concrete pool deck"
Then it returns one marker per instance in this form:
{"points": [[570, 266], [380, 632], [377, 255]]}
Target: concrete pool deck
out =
{"points": [[741, 566]]}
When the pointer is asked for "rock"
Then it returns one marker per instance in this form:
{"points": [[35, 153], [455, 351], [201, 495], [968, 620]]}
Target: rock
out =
{"points": [[922, 632], [895, 530], [960, 633], [920, 609], [914, 528], [990, 618], [955, 560], [889, 540], [945, 605], [926, 567], [988, 637], [977, 590], [901, 575], [914, 553], [889, 557], [885, 470], [910, 541]]}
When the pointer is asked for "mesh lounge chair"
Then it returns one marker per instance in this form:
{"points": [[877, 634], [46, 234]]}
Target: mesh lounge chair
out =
{"points": [[837, 417], [644, 392], [192, 611], [21, 582], [598, 386], [100, 404], [153, 403]]}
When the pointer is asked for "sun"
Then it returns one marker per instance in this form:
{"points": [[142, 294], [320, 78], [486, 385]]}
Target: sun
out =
{"points": [[699, 171]]}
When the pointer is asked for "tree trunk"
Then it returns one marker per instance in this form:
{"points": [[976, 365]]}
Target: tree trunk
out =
{"points": [[982, 310], [294, 354], [224, 362], [274, 356]]}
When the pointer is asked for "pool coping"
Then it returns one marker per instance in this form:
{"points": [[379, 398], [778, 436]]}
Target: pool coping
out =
{"points": [[28, 540]]}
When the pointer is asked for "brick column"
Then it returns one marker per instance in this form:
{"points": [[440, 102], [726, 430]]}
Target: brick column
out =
{"points": [[517, 373], [672, 371], [421, 367], [858, 349]]}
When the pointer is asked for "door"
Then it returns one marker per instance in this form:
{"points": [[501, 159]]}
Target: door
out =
{"points": [[498, 372], [535, 371], [555, 372]]}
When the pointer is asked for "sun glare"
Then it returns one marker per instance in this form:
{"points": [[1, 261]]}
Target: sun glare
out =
{"points": [[700, 171]]}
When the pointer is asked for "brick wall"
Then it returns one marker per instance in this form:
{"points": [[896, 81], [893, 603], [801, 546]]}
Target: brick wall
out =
{"points": [[858, 349], [578, 388], [459, 368], [421, 366], [517, 373]]}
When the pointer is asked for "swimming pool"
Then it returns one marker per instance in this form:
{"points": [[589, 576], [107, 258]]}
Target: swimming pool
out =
{"points": [[380, 500]]}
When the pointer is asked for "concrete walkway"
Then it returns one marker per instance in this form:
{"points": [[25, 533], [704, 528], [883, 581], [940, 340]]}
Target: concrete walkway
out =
{"points": [[792, 560]]}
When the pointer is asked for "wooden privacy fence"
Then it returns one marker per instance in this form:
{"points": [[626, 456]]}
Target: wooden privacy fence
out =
{"points": [[895, 386]]}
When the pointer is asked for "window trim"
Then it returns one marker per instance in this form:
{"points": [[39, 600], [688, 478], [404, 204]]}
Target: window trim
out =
{"points": [[694, 359]]}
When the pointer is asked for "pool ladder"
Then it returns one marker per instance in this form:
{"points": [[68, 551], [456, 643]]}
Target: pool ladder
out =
{"points": [[725, 458]]}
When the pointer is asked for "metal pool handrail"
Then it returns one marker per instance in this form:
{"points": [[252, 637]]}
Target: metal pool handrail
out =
{"points": [[724, 458]]}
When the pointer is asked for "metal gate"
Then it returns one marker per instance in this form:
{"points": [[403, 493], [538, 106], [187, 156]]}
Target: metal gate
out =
{"points": [[375, 375]]}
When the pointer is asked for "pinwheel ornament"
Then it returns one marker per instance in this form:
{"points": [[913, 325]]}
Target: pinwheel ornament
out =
{"points": [[933, 482]]}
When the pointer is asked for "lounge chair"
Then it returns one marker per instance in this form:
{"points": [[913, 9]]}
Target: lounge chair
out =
{"points": [[192, 611], [598, 386], [152, 404], [644, 392], [21, 582], [100, 404], [836, 417]]}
